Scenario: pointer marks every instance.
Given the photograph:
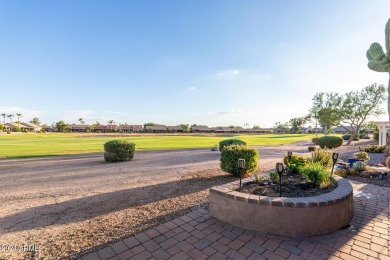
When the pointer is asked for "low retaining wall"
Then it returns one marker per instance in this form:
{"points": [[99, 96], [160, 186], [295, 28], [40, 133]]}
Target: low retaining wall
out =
{"points": [[284, 216]]}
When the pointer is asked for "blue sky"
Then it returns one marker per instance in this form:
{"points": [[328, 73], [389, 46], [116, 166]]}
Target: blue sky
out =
{"points": [[171, 62]]}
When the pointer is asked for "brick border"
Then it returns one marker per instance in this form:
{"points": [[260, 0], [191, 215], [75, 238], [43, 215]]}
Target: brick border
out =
{"points": [[304, 216], [342, 192]]}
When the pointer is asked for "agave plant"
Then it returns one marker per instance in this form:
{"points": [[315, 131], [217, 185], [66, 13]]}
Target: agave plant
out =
{"points": [[359, 166]]}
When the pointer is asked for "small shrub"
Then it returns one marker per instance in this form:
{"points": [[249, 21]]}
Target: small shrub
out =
{"points": [[8, 132], [322, 156], [17, 129], [118, 151], [359, 166], [330, 141], [228, 142], [274, 176], [373, 149], [294, 163], [364, 136], [316, 173], [315, 140], [230, 155], [346, 137], [312, 148], [361, 155]]}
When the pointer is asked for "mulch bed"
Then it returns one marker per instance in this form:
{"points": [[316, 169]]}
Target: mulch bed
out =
{"points": [[293, 185]]}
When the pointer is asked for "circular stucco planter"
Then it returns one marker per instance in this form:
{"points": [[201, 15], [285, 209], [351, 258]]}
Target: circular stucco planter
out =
{"points": [[304, 216]]}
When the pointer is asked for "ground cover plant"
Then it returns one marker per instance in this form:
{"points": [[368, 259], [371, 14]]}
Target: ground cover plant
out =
{"points": [[304, 177], [48, 144]]}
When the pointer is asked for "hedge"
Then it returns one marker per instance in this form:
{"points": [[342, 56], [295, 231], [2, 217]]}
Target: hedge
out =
{"points": [[330, 141]]}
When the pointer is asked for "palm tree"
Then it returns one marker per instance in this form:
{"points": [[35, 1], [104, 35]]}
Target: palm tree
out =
{"points": [[19, 115], [82, 123], [4, 115], [110, 122], [10, 116]]}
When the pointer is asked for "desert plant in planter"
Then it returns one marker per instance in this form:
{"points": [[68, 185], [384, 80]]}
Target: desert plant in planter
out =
{"points": [[230, 155], [118, 151], [359, 166], [294, 163], [362, 156], [317, 174], [322, 156], [228, 142], [330, 142]]}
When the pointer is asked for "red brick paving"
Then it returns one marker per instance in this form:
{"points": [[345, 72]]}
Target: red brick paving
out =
{"points": [[199, 236]]}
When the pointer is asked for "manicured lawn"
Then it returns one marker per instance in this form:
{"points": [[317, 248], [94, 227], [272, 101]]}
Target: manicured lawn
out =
{"points": [[30, 145]]}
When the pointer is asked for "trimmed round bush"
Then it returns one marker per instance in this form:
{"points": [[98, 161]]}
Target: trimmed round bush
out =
{"points": [[312, 148], [231, 154], [346, 137], [228, 142], [118, 151], [330, 141]]}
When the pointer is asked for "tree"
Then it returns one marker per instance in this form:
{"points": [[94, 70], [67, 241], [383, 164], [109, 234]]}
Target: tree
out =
{"points": [[110, 122], [324, 111], [19, 115], [355, 107], [4, 115], [358, 105], [297, 123], [82, 123], [10, 116], [256, 127], [185, 128], [35, 121], [61, 126]]}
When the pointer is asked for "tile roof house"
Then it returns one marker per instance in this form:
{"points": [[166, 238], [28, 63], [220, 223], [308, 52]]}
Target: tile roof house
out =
{"points": [[77, 128], [32, 127], [220, 129], [156, 129], [342, 130], [201, 129], [175, 129]]}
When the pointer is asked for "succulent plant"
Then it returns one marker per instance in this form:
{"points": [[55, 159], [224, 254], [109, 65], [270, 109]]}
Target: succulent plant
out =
{"points": [[359, 166], [380, 61]]}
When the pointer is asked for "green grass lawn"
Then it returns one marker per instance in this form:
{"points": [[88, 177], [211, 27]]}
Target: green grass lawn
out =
{"points": [[30, 145]]}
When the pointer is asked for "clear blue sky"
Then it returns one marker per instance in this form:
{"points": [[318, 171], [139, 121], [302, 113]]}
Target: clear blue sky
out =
{"points": [[171, 62]]}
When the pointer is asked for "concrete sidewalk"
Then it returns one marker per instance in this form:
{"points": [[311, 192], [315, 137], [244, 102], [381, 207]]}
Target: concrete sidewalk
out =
{"points": [[199, 236]]}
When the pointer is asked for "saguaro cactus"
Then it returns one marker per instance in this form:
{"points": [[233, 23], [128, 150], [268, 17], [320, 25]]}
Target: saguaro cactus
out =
{"points": [[380, 61]]}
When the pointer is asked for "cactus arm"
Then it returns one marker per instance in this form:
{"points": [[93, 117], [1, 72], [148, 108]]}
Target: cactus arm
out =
{"points": [[376, 51], [387, 38]]}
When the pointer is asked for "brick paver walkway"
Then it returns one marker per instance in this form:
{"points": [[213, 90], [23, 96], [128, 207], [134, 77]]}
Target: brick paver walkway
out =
{"points": [[199, 236]]}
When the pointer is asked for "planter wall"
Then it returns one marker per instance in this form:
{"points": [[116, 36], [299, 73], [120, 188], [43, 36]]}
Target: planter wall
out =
{"points": [[284, 216]]}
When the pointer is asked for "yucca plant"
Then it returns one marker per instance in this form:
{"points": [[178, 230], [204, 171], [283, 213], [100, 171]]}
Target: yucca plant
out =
{"points": [[322, 156]]}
